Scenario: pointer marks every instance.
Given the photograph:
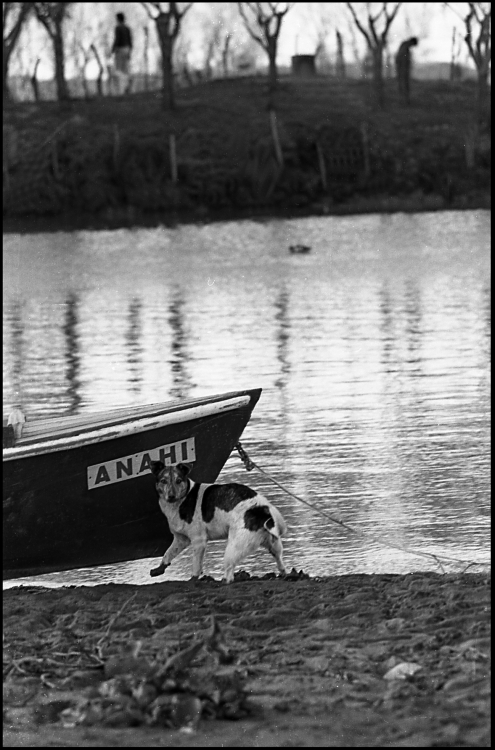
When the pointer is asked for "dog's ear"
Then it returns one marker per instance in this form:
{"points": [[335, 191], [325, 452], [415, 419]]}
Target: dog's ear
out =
{"points": [[156, 467], [184, 469]]}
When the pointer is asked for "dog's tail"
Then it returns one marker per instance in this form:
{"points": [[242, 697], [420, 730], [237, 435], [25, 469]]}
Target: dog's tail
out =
{"points": [[267, 518], [274, 525]]}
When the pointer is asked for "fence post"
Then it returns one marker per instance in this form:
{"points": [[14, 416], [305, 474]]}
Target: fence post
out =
{"points": [[322, 166], [55, 164], [116, 145], [366, 149], [276, 141], [173, 158], [470, 147]]}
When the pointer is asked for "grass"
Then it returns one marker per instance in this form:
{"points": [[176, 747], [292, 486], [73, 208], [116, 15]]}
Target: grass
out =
{"points": [[112, 156]]}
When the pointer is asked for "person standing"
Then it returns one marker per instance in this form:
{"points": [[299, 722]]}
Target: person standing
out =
{"points": [[403, 67], [121, 49]]}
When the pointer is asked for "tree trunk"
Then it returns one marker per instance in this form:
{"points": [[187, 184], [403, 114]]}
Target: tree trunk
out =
{"points": [[166, 46], [340, 62], [58, 47], [377, 53], [272, 72], [146, 58], [225, 56], [482, 96], [34, 81], [6, 90], [99, 80], [272, 64]]}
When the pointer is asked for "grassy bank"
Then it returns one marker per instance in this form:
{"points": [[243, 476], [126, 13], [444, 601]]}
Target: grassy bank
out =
{"points": [[346, 661], [124, 160]]}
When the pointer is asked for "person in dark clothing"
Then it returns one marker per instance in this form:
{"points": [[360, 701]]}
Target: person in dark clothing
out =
{"points": [[403, 67], [121, 49]]}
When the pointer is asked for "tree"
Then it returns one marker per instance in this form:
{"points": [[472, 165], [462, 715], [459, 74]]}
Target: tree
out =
{"points": [[14, 17], [478, 39], [378, 22], [168, 22], [340, 61], [263, 22], [52, 17], [455, 51]]}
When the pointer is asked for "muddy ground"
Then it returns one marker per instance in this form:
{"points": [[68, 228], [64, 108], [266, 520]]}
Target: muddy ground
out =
{"points": [[350, 661]]}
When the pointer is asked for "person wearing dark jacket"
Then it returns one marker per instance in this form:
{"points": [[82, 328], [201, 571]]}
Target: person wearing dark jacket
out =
{"points": [[403, 67], [121, 49]]}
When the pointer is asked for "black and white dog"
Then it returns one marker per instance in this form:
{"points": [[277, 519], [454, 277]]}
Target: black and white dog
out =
{"points": [[197, 512]]}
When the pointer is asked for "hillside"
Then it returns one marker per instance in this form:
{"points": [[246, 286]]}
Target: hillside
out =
{"points": [[112, 159]]}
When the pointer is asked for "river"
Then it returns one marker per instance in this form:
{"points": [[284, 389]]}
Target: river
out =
{"points": [[372, 351]]}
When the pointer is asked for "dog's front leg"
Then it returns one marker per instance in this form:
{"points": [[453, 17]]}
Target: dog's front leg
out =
{"points": [[179, 544], [199, 548]]}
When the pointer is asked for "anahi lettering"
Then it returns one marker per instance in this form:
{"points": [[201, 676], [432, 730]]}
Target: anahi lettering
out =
{"points": [[130, 467]]}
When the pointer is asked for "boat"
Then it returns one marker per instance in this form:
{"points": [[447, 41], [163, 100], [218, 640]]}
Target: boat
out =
{"points": [[299, 249], [78, 490]]}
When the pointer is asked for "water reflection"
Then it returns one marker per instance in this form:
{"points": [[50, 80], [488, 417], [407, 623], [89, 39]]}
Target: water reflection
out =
{"points": [[413, 316], [134, 348], [73, 356], [179, 357], [282, 333], [15, 357], [372, 352]]}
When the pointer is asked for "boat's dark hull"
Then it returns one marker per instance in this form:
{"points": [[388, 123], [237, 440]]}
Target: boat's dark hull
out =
{"points": [[58, 515]]}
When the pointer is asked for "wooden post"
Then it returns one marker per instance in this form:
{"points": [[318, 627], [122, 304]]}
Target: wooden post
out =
{"points": [[173, 158], [366, 149], [55, 164], [116, 144], [470, 147], [7, 150], [323, 169], [6, 176], [276, 141]]}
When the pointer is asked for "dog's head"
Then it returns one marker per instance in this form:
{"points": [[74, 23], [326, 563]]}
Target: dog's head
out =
{"points": [[172, 483]]}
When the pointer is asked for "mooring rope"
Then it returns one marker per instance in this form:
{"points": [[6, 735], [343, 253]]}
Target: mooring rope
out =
{"points": [[250, 465]]}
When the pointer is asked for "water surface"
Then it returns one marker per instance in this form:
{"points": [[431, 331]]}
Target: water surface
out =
{"points": [[372, 352]]}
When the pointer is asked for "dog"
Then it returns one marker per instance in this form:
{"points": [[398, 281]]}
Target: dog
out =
{"points": [[197, 512]]}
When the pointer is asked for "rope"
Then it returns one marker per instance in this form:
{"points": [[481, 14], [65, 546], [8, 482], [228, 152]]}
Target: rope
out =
{"points": [[250, 465]]}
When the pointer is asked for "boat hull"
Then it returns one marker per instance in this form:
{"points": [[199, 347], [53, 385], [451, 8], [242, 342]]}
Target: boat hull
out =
{"points": [[96, 503]]}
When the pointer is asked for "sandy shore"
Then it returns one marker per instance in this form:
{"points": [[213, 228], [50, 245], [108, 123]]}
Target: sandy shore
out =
{"points": [[260, 663]]}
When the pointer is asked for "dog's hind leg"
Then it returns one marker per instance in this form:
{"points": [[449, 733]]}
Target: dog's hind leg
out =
{"points": [[274, 546], [239, 546]]}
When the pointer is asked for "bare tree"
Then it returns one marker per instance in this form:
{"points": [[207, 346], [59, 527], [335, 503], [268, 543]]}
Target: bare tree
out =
{"points": [[34, 81], [340, 60], [477, 25], [14, 17], [101, 70], [478, 39], [375, 30], [52, 17], [168, 22], [223, 33], [263, 22], [455, 51]]}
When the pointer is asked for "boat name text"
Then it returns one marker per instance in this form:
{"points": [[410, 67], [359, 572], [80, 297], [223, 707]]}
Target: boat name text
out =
{"points": [[130, 467]]}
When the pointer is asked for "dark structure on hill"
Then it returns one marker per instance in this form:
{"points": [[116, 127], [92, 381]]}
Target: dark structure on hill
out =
{"points": [[303, 65]]}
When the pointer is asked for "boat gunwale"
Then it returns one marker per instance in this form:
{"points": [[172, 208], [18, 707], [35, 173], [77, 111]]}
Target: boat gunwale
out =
{"points": [[174, 414]]}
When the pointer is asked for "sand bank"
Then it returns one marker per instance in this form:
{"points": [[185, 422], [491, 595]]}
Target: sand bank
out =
{"points": [[259, 663]]}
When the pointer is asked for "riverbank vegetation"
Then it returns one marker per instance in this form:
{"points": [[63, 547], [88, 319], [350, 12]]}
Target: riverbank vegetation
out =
{"points": [[325, 148]]}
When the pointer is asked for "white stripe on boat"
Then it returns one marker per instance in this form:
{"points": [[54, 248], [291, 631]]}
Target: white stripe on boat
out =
{"points": [[130, 467], [130, 427]]}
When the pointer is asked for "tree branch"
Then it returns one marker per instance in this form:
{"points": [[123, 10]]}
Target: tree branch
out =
{"points": [[358, 24]]}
